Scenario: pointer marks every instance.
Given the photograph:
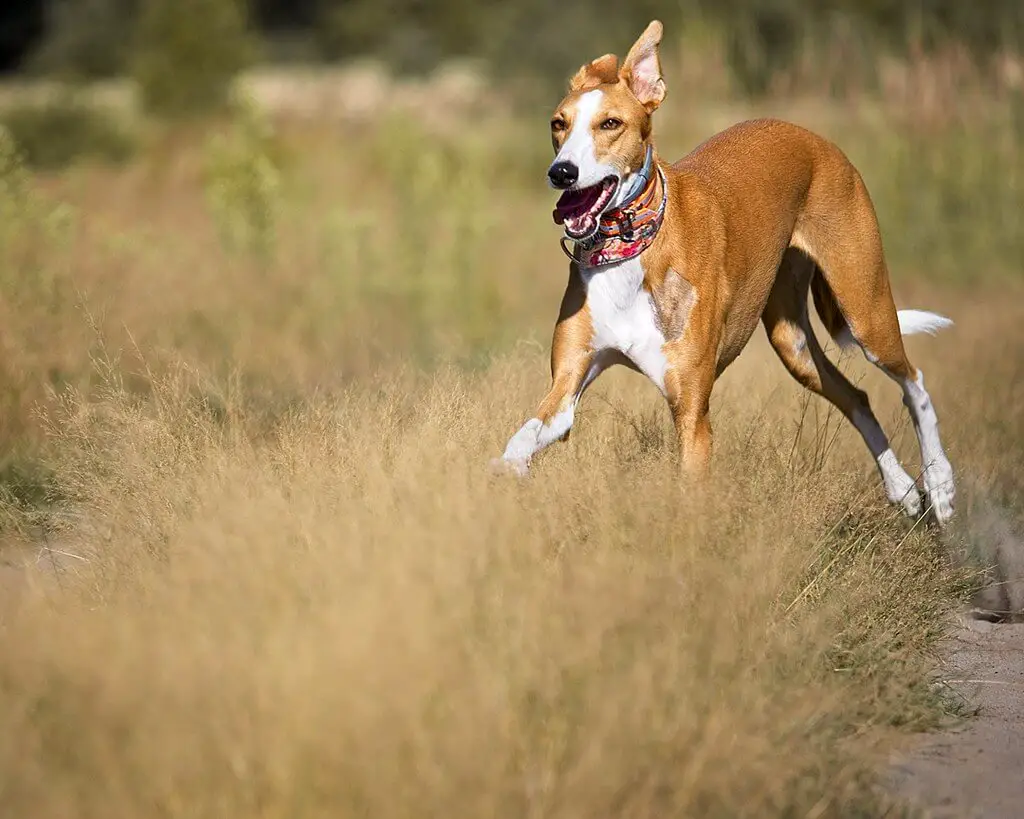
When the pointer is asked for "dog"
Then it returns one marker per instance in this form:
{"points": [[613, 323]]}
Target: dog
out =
{"points": [[673, 266]]}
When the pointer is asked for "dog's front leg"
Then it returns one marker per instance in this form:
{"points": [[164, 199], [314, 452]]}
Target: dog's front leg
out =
{"points": [[688, 383], [574, 365], [554, 415]]}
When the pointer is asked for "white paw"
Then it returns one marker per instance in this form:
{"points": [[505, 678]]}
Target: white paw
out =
{"points": [[525, 442], [520, 467], [910, 500], [938, 483], [899, 486]]}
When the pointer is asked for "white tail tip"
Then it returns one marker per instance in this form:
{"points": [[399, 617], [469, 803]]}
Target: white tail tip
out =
{"points": [[921, 321]]}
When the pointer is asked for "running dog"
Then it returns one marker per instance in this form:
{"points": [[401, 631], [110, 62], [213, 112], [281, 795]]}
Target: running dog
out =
{"points": [[672, 266]]}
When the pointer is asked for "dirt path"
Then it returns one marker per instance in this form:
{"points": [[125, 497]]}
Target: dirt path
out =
{"points": [[976, 770]]}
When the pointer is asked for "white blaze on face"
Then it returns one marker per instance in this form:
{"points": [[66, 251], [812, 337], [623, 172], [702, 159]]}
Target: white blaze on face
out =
{"points": [[578, 147]]}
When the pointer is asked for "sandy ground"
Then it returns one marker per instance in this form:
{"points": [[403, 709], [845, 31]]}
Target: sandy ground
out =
{"points": [[975, 770]]}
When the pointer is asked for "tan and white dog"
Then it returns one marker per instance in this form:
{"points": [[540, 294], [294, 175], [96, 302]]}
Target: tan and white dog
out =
{"points": [[673, 266]]}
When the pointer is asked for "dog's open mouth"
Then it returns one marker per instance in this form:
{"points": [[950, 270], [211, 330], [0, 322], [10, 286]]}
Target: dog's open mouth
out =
{"points": [[580, 209]]}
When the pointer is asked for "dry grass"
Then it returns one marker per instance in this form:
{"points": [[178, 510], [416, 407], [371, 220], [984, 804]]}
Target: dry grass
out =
{"points": [[295, 590], [348, 616]]}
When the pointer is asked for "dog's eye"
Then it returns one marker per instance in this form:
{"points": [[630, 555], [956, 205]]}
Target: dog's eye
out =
{"points": [[558, 124], [611, 124]]}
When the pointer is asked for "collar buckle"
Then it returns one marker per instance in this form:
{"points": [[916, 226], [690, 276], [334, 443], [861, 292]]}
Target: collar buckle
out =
{"points": [[626, 228]]}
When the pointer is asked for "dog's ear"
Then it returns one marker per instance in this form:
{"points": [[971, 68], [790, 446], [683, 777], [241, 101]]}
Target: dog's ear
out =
{"points": [[602, 70], [641, 70]]}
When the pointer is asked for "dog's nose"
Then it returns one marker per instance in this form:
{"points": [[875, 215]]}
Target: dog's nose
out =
{"points": [[563, 174]]}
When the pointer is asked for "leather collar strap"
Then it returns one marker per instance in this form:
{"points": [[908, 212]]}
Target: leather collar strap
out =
{"points": [[626, 231]]}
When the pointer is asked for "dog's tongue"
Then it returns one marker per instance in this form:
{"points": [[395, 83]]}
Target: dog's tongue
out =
{"points": [[572, 203]]}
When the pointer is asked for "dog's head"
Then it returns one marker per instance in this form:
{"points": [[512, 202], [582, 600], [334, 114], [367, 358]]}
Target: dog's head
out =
{"points": [[600, 132]]}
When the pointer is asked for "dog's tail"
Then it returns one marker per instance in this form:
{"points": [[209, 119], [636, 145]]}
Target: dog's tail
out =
{"points": [[911, 321], [921, 321]]}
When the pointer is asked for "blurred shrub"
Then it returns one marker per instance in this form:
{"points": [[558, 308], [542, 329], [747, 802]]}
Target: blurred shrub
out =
{"points": [[762, 43], [37, 244], [189, 49], [57, 132], [402, 32], [518, 39], [29, 225], [14, 188], [526, 39], [241, 182], [87, 39], [930, 24], [187, 52], [764, 39]]}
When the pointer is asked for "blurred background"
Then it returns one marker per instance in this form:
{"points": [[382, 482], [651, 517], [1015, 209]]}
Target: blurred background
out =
{"points": [[764, 43], [297, 194]]}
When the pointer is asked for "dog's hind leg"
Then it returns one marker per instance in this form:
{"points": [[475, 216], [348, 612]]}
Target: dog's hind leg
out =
{"points": [[880, 337], [789, 330], [849, 254]]}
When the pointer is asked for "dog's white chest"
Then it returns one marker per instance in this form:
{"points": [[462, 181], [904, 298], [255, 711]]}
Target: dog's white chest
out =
{"points": [[624, 319]]}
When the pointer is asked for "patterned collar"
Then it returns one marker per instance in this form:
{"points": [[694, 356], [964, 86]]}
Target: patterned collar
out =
{"points": [[626, 231]]}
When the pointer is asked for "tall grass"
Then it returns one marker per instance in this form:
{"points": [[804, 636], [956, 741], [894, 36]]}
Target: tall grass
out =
{"points": [[346, 615]]}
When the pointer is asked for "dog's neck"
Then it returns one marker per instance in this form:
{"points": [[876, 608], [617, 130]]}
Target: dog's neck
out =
{"points": [[637, 183], [626, 230]]}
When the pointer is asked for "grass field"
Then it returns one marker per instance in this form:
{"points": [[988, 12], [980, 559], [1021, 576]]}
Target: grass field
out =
{"points": [[251, 381]]}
